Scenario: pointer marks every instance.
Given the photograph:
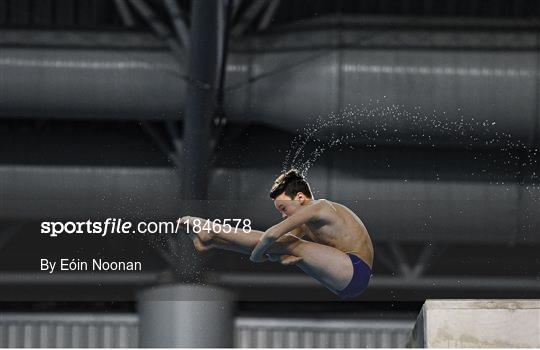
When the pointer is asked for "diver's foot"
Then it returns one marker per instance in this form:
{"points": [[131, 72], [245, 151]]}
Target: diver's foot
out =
{"points": [[197, 227], [200, 246]]}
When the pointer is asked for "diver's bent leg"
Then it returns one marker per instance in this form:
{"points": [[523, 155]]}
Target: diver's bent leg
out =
{"points": [[328, 265]]}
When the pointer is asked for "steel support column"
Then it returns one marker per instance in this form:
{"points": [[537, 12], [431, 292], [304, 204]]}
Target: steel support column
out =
{"points": [[201, 95]]}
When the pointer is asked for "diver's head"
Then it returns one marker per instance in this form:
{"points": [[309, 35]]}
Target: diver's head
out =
{"points": [[289, 192]]}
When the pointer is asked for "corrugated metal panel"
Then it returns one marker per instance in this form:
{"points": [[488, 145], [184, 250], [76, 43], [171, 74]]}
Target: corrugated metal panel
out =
{"points": [[20, 330], [300, 333]]}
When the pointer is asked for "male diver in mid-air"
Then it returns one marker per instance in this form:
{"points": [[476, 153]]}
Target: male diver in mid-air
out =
{"points": [[325, 239]]}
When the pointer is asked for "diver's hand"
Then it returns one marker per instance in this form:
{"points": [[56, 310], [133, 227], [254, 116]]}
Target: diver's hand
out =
{"points": [[290, 260], [266, 240], [284, 259]]}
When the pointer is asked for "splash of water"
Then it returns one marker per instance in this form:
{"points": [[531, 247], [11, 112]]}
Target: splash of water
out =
{"points": [[370, 125]]}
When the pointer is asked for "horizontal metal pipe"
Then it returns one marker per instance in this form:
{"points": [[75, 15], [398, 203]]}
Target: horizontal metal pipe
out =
{"points": [[27, 278], [394, 210], [299, 280], [90, 84], [459, 88]]}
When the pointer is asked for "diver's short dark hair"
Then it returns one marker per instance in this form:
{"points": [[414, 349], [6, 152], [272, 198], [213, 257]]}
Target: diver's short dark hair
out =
{"points": [[290, 183]]}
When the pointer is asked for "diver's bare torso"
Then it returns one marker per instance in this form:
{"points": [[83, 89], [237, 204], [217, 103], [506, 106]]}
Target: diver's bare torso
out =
{"points": [[342, 229]]}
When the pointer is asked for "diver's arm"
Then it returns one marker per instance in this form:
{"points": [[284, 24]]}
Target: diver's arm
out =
{"points": [[302, 216], [298, 232]]}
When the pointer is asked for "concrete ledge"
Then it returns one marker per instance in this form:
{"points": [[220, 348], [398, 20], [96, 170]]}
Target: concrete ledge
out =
{"points": [[507, 323]]}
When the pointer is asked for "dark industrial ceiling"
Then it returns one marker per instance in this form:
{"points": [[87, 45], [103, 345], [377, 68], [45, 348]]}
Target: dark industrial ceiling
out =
{"points": [[104, 14]]}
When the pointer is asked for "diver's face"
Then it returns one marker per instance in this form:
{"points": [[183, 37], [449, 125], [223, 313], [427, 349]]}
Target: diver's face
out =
{"points": [[285, 205]]}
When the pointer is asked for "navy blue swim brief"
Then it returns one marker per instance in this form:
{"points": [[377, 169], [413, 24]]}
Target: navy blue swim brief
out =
{"points": [[360, 279]]}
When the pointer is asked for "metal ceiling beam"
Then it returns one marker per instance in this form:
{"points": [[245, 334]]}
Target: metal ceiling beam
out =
{"points": [[125, 13], [399, 254], [178, 22], [236, 4], [176, 139], [426, 255], [158, 26], [247, 18], [158, 140], [268, 15], [385, 259]]}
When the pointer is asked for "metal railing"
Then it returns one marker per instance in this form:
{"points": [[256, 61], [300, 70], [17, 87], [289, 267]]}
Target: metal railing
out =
{"points": [[18, 330]]}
